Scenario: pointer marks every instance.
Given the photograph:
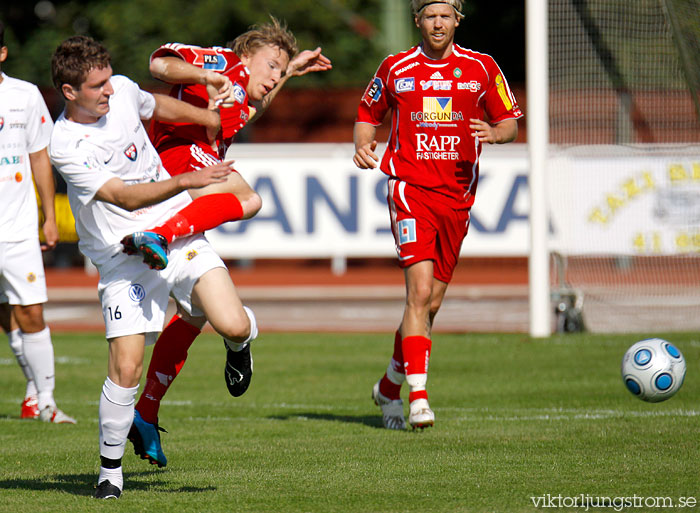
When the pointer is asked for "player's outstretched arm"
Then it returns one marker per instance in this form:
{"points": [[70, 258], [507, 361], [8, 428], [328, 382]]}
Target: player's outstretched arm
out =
{"points": [[365, 143], [174, 70], [46, 188], [308, 61], [140, 195]]}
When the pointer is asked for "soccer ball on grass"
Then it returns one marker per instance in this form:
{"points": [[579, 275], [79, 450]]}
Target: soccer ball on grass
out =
{"points": [[653, 370]]}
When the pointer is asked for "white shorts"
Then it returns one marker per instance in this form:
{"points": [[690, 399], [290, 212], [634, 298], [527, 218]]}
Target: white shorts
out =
{"points": [[134, 297], [22, 279]]}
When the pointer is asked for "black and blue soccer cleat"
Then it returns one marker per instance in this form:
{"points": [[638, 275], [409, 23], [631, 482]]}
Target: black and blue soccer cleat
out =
{"points": [[150, 245], [146, 439]]}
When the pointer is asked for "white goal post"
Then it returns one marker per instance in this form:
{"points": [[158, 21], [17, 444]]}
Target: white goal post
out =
{"points": [[614, 137]]}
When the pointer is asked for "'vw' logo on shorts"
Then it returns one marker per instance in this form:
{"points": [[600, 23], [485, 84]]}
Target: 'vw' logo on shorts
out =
{"points": [[137, 293]]}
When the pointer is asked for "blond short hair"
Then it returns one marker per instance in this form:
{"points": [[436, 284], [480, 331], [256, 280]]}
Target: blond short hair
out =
{"points": [[273, 33], [418, 5]]}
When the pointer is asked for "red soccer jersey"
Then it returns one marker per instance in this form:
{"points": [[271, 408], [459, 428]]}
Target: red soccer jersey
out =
{"points": [[221, 60], [431, 144]]}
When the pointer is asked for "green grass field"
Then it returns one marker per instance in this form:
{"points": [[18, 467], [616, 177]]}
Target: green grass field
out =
{"points": [[515, 418]]}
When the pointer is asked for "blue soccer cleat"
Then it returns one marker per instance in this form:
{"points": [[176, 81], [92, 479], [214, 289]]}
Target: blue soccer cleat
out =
{"points": [[146, 439], [150, 245]]}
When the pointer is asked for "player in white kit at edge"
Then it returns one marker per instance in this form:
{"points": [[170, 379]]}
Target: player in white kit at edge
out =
{"points": [[118, 186], [25, 130]]}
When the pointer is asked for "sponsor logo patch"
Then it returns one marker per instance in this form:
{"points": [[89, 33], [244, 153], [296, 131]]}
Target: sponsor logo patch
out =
{"points": [[407, 67], [405, 84], [407, 231], [209, 59], [137, 293], [436, 85], [374, 91], [238, 92], [437, 109], [472, 86]]}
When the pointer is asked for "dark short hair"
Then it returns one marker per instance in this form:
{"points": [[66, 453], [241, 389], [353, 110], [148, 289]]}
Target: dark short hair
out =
{"points": [[75, 58], [2, 34]]}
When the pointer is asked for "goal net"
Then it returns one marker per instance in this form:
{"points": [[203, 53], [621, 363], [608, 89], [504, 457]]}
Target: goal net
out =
{"points": [[624, 168]]}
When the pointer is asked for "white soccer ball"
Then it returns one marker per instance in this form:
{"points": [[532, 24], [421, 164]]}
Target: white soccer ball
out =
{"points": [[653, 370]]}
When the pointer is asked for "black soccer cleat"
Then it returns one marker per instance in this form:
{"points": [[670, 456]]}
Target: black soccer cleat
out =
{"points": [[238, 371], [106, 490]]}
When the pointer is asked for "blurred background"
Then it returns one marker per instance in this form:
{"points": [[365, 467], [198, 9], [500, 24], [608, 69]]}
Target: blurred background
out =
{"points": [[355, 34]]}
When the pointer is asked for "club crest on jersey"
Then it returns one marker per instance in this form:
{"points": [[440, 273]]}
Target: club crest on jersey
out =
{"points": [[238, 92], [374, 91], [131, 152], [2, 122], [405, 84], [31, 277], [209, 59]]}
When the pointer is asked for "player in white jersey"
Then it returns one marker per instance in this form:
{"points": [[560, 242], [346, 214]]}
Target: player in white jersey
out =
{"points": [[25, 129], [116, 186]]}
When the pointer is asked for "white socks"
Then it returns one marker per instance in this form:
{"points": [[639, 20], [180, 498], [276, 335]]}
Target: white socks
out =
{"points": [[38, 352], [17, 346], [116, 416]]}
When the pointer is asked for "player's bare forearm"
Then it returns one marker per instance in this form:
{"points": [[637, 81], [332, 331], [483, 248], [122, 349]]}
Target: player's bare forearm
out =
{"points": [[45, 185], [174, 70], [134, 196], [172, 110], [46, 189], [365, 143], [501, 133]]}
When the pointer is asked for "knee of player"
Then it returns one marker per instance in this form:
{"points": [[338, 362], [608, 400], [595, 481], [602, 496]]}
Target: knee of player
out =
{"points": [[420, 295], [251, 204], [237, 329], [240, 327], [128, 373], [30, 318]]}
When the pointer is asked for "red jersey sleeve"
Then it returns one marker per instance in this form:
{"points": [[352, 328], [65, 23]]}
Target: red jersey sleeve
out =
{"points": [[216, 58], [376, 100], [220, 60], [499, 101]]}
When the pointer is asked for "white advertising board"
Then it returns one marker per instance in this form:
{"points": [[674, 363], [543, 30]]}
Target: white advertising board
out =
{"points": [[636, 200], [317, 204]]}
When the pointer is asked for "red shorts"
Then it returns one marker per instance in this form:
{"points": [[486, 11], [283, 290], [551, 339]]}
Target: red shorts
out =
{"points": [[425, 228], [187, 158]]}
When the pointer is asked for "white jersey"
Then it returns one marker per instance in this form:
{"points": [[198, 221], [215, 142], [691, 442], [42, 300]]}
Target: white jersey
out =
{"points": [[116, 146], [25, 127]]}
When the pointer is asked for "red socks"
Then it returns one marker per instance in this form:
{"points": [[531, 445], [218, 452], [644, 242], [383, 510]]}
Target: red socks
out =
{"points": [[388, 386], [416, 352], [204, 213], [169, 355]]}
